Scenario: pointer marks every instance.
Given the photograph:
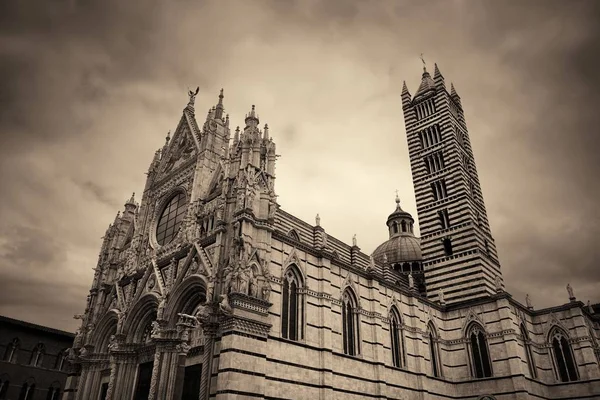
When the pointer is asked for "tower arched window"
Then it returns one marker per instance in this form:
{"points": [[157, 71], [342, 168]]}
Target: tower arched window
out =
{"points": [[170, 219], [528, 352], [292, 308], [397, 339], [436, 363], [37, 356], [350, 323], [564, 361], [481, 366], [395, 227], [403, 225], [12, 349]]}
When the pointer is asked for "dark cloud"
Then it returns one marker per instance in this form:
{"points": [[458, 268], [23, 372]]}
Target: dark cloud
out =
{"points": [[89, 89]]}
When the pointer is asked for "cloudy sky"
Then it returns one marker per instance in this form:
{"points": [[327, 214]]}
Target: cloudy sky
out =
{"points": [[88, 90]]}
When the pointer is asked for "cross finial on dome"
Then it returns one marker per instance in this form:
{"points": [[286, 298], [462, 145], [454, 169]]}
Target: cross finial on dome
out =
{"points": [[424, 65], [397, 198]]}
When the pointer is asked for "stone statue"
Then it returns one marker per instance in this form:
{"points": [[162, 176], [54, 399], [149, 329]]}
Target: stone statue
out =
{"points": [[194, 266], [161, 308], [120, 321], [570, 291], [371, 263], [112, 343], [266, 290], [224, 305], [155, 329], [411, 284], [354, 240], [528, 302], [498, 284], [441, 297], [193, 96], [83, 352], [318, 220], [202, 314]]}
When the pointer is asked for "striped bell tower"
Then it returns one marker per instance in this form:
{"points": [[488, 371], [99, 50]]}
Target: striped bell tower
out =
{"points": [[459, 255]]}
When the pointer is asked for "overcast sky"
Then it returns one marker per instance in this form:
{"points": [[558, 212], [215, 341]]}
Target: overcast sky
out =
{"points": [[89, 90]]}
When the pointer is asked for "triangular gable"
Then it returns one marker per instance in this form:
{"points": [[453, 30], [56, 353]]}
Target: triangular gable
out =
{"points": [[292, 258], [182, 146]]}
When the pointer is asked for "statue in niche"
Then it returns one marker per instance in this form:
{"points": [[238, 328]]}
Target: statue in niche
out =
{"points": [[240, 200], [112, 344], [252, 284], [210, 288], [411, 283], [155, 329], [161, 307], [194, 266], [265, 290], [120, 321], [318, 220]]}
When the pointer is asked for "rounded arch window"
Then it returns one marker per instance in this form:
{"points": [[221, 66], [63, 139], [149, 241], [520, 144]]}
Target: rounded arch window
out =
{"points": [[170, 219]]}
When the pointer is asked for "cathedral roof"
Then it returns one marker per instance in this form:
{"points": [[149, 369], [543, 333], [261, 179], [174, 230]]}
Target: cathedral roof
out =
{"points": [[403, 247]]}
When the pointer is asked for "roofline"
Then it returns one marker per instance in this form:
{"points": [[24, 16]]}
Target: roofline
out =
{"points": [[31, 325]]}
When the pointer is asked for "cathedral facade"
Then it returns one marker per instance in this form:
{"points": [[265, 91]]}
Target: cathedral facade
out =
{"points": [[208, 289]]}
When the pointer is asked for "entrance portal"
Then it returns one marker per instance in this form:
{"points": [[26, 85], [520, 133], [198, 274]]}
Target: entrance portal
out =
{"points": [[191, 382], [142, 390]]}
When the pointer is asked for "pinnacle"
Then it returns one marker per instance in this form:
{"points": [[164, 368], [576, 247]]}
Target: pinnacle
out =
{"points": [[452, 90], [436, 71]]}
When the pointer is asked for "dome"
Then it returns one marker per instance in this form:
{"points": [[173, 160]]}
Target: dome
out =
{"points": [[399, 249], [402, 246]]}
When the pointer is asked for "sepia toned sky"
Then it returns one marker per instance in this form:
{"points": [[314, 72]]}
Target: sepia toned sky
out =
{"points": [[89, 89]]}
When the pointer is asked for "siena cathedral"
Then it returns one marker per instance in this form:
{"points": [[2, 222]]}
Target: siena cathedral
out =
{"points": [[208, 289]]}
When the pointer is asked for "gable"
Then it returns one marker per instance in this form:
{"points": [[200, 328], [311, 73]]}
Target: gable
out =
{"points": [[181, 148]]}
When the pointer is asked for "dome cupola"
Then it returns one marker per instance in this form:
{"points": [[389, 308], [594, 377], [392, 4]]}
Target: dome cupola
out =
{"points": [[403, 249]]}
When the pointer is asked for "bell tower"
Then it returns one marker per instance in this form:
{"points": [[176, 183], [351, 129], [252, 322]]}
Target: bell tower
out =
{"points": [[459, 255]]}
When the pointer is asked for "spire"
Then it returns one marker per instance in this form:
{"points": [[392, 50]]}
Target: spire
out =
{"points": [[453, 91], [219, 108], [236, 136], [438, 78], [405, 95], [427, 84], [252, 119], [266, 132], [131, 200]]}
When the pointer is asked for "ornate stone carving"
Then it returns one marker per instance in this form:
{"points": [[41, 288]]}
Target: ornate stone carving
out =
{"points": [[224, 305]]}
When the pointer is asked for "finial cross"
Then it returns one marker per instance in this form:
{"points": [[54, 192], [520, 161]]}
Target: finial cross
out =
{"points": [[423, 61]]}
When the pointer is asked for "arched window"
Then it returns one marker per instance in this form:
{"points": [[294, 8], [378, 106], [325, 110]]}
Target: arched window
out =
{"points": [[403, 225], [481, 366], [350, 321], [27, 390], [171, 218], [53, 392], [564, 362], [395, 227], [4, 384], [436, 363], [528, 353], [37, 355], [397, 339], [60, 360], [12, 349], [292, 323]]}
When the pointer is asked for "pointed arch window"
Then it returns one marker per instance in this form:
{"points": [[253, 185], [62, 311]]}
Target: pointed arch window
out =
{"points": [[481, 366], [397, 339], [27, 391], [528, 352], [12, 349], [37, 356], [170, 219], [564, 361], [4, 384], [350, 323], [292, 309], [436, 363], [53, 392]]}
